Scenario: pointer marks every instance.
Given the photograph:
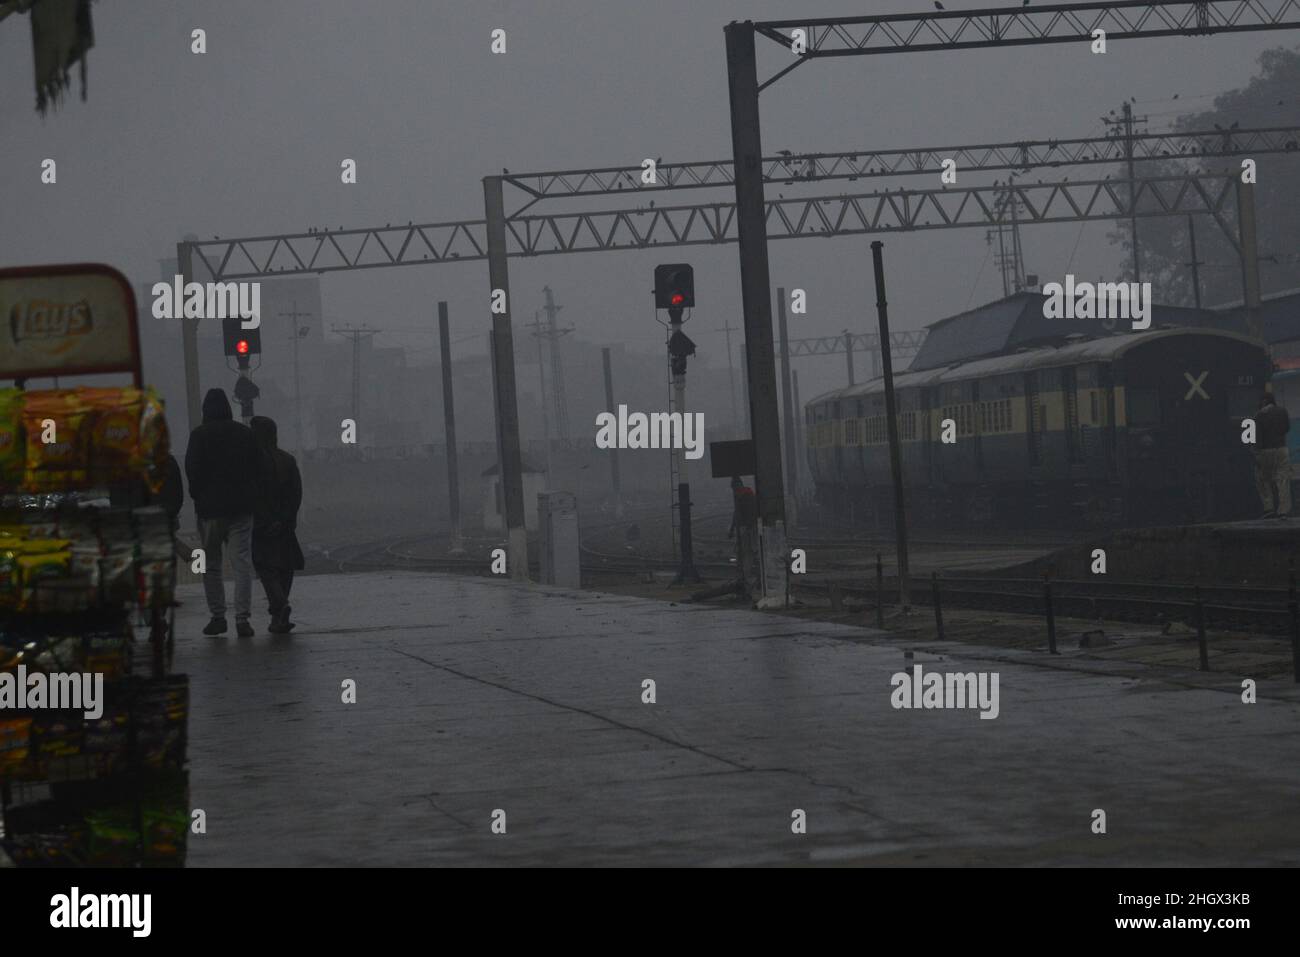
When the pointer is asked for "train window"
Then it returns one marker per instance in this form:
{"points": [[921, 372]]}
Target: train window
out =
{"points": [[1143, 410]]}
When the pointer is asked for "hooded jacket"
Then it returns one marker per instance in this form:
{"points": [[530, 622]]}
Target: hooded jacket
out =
{"points": [[275, 541], [222, 463]]}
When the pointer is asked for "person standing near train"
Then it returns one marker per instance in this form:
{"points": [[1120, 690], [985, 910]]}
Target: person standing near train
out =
{"points": [[1272, 460]]}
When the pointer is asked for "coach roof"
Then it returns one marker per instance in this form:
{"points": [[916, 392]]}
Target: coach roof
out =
{"points": [[1106, 349]]}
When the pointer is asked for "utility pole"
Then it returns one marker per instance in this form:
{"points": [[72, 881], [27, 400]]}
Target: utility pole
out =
{"points": [[613, 453], [1249, 255], [553, 333], [1125, 125], [539, 334], [356, 334], [449, 429], [731, 375], [1011, 263], [1195, 263], [848, 353], [891, 417], [293, 315]]}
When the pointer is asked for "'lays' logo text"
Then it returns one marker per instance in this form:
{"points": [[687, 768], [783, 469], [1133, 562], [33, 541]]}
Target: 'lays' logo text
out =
{"points": [[45, 319]]}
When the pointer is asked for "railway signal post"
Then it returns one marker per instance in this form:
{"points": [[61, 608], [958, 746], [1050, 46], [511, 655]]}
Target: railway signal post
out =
{"points": [[675, 291]]}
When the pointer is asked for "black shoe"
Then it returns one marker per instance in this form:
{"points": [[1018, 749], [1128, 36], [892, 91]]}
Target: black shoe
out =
{"points": [[243, 629], [278, 626], [217, 626]]}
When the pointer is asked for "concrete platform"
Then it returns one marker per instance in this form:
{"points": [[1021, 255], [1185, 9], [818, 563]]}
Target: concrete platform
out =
{"points": [[475, 695]]}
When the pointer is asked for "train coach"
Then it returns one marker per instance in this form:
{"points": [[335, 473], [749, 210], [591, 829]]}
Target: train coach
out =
{"points": [[1128, 429]]}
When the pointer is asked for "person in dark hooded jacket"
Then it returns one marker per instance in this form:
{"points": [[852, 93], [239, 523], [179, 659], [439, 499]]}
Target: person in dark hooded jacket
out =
{"points": [[225, 470], [276, 552]]}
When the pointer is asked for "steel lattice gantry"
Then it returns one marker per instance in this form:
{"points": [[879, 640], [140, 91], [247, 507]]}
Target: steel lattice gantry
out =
{"points": [[705, 223], [791, 169], [811, 39]]}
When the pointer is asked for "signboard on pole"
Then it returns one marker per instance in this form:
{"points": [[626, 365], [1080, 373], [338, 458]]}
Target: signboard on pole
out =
{"points": [[67, 320]]}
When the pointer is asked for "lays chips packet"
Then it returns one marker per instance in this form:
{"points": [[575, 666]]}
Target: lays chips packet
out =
{"points": [[56, 448]]}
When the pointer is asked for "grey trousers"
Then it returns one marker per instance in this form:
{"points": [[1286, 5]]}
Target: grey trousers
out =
{"points": [[1273, 479], [214, 533]]}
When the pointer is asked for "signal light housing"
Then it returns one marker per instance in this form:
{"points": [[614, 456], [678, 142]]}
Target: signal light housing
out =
{"points": [[675, 286], [238, 341]]}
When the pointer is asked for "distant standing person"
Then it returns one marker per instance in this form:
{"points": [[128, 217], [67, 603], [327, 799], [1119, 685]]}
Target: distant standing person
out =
{"points": [[224, 466], [1272, 460], [276, 552]]}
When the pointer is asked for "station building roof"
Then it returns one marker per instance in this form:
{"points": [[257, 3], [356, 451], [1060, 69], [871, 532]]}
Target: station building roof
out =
{"points": [[1017, 322]]}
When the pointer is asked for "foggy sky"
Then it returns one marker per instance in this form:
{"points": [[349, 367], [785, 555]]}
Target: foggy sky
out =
{"points": [[247, 140]]}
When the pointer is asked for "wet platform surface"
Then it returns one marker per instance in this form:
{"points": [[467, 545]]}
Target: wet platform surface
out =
{"points": [[474, 695]]}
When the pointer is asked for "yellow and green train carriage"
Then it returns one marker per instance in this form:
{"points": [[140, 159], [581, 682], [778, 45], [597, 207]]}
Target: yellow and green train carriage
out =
{"points": [[1137, 428]]}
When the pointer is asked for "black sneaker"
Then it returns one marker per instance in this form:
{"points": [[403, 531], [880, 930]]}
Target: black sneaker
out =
{"points": [[243, 629], [217, 626]]}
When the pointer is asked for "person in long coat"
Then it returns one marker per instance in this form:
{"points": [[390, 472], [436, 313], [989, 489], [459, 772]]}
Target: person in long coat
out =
{"points": [[276, 552]]}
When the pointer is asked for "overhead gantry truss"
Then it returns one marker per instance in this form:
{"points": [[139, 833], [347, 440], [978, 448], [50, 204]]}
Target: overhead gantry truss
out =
{"points": [[642, 227], [907, 342], [794, 168], [1002, 26]]}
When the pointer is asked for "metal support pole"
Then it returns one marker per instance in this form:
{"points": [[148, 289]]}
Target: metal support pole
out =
{"points": [[1249, 254], [800, 448], [1196, 263], [189, 340], [731, 377], [356, 383], [938, 608], [1200, 631], [612, 453], [756, 299], [875, 363], [449, 428], [1051, 614], [686, 571], [848, 354], [880, 592], [503, 378], [1293, 605], [744, 388], [891, 416], [297, 386], [787, 402]]}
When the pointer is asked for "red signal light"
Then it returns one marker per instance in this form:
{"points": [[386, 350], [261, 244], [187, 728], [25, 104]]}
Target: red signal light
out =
{"points": [[242, 347], [677, 299]]}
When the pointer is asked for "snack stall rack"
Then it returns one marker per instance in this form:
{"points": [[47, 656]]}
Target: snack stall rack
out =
{"points": [[92, 725]]}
